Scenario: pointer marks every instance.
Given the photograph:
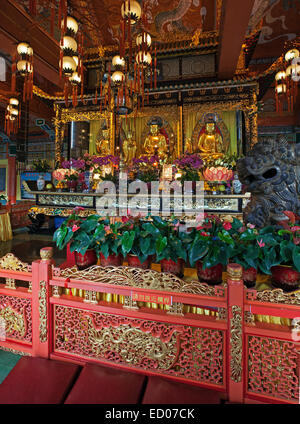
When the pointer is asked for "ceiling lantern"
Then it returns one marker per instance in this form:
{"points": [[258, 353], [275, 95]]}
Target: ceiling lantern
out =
{"points": [[12, 117], [293, 71], [69, 45], [280, 76], [68, 65], [24, 67], [75, 78], [117, 77], [118, 62], [71, 56], [72, 25], [14, 102], [143, 58], [291, 54], [145, 38], [280, 89], [131, 10], [23, 49]]}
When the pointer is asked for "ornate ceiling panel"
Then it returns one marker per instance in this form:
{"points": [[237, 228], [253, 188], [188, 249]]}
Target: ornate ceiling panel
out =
{"points": [[166, 19]]}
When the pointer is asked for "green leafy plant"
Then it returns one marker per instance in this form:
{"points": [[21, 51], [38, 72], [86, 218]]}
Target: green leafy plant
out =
{"points": [[139, 238], [108, 236], [281, 244], [171, 242], [79, 232], [41, 165], [209, 244]]}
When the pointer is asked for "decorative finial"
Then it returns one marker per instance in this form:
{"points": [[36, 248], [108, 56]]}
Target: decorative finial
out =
{"points": [[234, 272], [46, 253]]}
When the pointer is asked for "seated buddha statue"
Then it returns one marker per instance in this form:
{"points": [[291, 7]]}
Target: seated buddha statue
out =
{"points": [[211, 142], [129, 148], [103, 143], [155, 143]]}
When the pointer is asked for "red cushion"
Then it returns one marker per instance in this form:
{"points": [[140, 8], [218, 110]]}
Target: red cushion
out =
{"points": [[103, 385], [38, 381], [162, 391]]}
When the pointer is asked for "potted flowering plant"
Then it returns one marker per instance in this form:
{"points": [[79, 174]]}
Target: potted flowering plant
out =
{"points": [[189, 165], [138, 241], [108, 238], [208, 251], [283, 245], [59, 175], [80, 233], [171, 245], [245, 248], [146, 168]]}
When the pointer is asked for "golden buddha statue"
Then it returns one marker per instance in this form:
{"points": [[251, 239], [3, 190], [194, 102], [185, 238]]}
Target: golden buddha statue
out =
{"points": [[103, 143], [129, 148], [156, 142], [188, 147], [211, 142]]}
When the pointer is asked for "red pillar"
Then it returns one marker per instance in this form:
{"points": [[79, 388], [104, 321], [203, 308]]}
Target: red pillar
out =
{"points": [[12, 180], [235, 335]]}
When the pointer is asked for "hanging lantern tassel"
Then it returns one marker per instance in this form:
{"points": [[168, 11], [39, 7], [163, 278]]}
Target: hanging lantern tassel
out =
{"points": [[75, 93], [31, 80], [109, 86], [155, 73], [19, 117], [13, 74], [66, 93], [96, 97]]}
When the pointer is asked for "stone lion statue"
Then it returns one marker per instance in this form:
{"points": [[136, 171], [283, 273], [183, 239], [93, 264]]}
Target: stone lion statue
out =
{"points": [[271, 173]]}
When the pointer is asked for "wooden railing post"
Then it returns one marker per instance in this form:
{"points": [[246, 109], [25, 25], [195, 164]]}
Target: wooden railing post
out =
{"points": [[41, 322], [235, 339]]}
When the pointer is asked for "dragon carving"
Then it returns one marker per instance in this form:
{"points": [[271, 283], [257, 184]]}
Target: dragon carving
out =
{"points": [[172, 16], [271, 172]]}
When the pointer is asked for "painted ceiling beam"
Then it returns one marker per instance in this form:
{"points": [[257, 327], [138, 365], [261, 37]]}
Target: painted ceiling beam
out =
{"points": [[234, 22]]}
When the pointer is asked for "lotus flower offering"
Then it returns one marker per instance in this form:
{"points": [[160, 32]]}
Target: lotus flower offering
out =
{"points": [[218, 174]]}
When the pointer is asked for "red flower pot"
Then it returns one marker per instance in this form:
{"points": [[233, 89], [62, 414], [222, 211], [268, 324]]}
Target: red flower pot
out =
{"points": [[211, 276], [249, 277], [112, 260], [285, 277], [176, 268], [134, 261], [86, 260]]}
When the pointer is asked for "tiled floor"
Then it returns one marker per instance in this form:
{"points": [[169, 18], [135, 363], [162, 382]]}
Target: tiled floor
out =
{"points": [[7, 361], [27, 247]]}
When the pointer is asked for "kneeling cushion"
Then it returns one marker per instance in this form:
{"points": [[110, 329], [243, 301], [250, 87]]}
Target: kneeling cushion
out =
{"points": [[103, 385], [38, 381], [163, 391]]}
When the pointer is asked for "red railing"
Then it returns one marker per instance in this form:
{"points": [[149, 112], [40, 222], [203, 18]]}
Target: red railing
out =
{"points": [[156, 324]]}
